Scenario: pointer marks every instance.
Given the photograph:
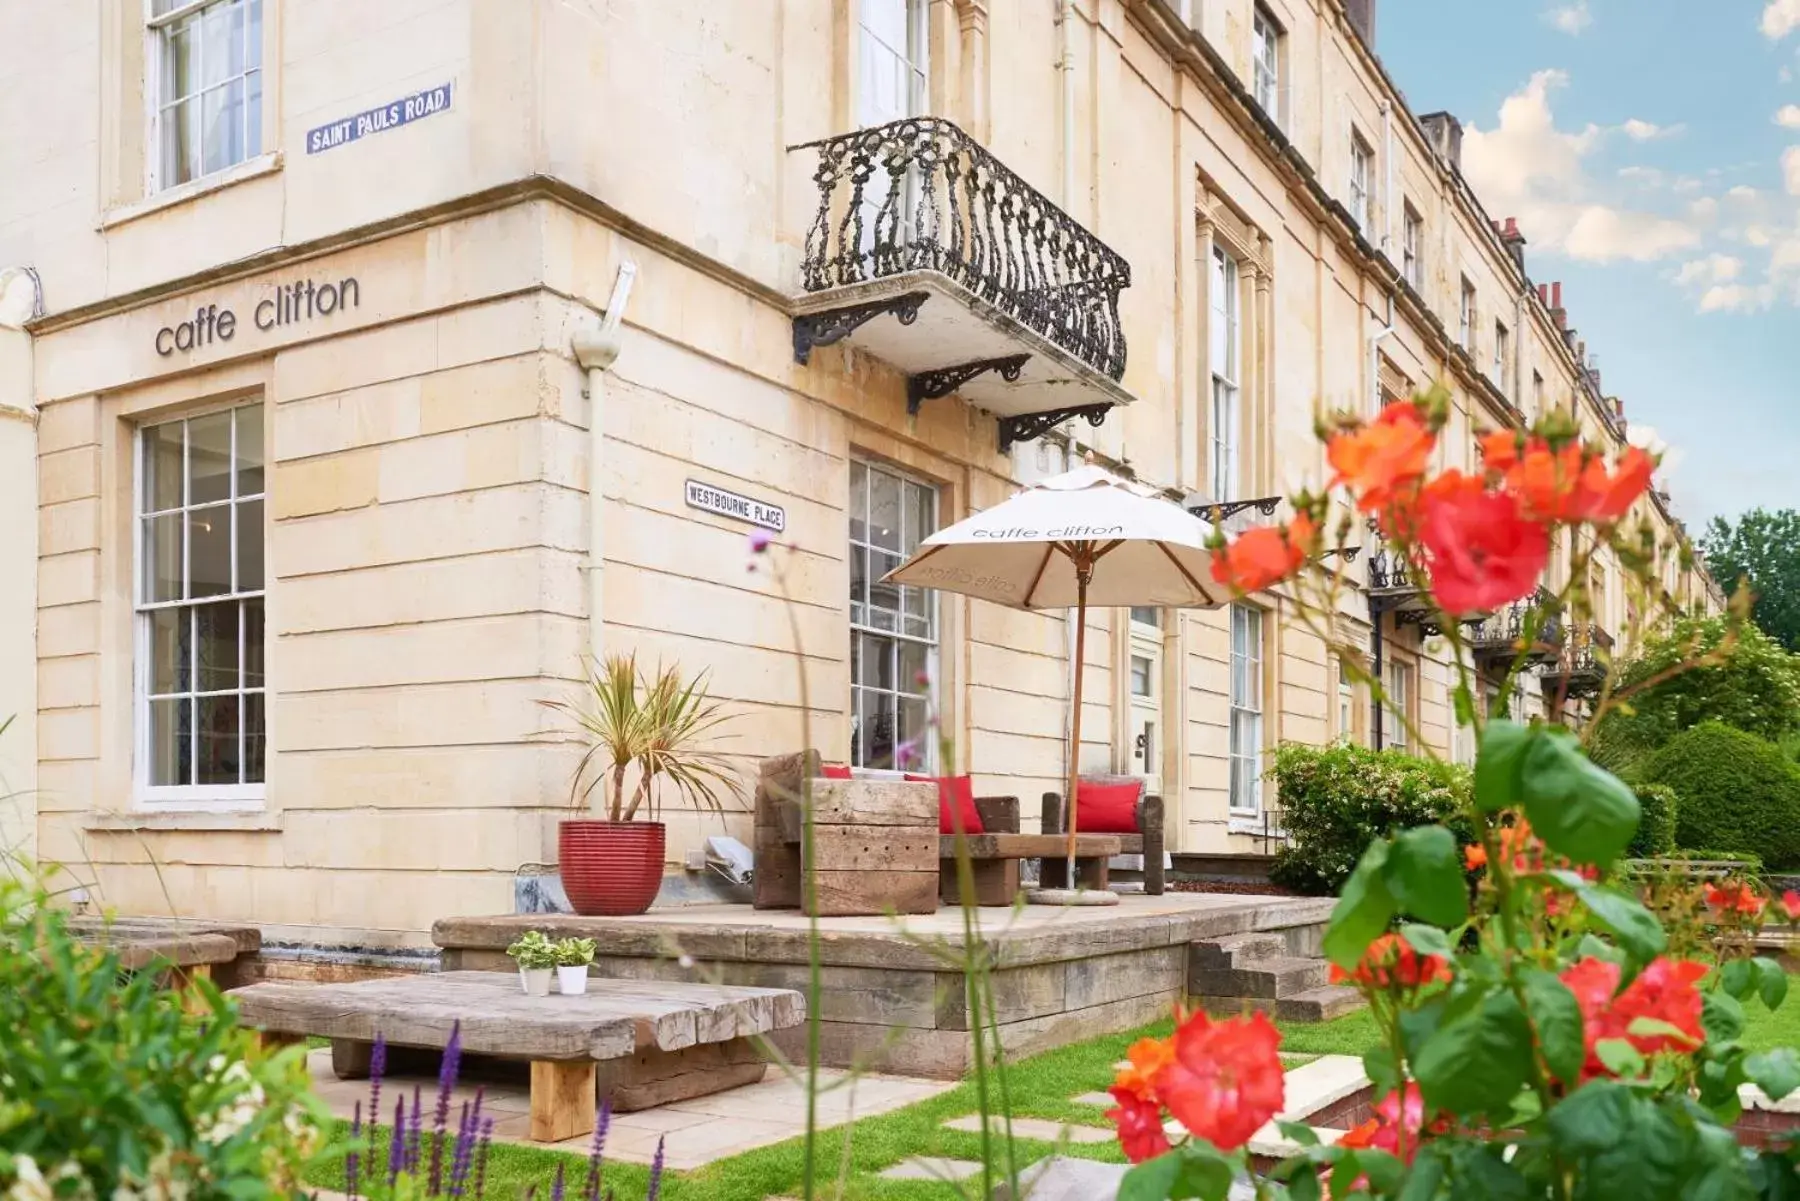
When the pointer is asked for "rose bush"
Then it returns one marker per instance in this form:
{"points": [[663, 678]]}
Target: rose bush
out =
{"points": [[1543, 1034]]}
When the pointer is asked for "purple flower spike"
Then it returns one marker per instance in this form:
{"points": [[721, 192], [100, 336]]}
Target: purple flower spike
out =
{"points": [[353, 1157], [397, 1146], [377, 1069], [759, 541], [481, 1156], [415, 1133], [656, 1167], [597, 1153], [556, 1186], [447, 1072], [459, 1152]]}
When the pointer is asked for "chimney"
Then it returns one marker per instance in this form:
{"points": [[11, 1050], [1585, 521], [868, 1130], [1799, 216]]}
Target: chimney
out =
{"points": [[1618, 408], [1514, 241], [1362, 16], [1544, 295], [1558, 314], [1445, 134]]}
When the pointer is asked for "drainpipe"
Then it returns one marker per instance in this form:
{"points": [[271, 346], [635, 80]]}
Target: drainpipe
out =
{"points": [[1065, 27], [21, 299], [595, 350], [1387, 158], [1518, 347], [1377, 616], [1381, 335]]}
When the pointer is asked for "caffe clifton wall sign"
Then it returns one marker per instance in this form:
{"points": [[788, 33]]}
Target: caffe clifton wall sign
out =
{"points": [[288, 304]]}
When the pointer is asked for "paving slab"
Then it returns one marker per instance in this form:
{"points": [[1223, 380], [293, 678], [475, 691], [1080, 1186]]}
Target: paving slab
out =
{"points": [[931, 1167], [1038, 1128]]}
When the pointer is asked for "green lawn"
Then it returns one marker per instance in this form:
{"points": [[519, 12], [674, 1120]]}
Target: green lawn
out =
{"points": [[1038, 1087]]}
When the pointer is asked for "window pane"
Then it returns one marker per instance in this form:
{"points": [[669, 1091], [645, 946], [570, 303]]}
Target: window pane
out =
{"points": [[209, 548], [216, 49], [209, 458], [249, 450], [249, 545], [163, 561], [878, 729], [921, 516], [216, 644], [1146, 616], [859, 503], [1140, 676], [169, 651], [253, 103], [253, 35], [181, 45], [162, 467], [877, 662], [255, 738], [859, 572], [915, 665], [884, 510], [915, 730], [181, 143], [222, 126], [170, 761], [219, 755], [253, 643], [884, 598]]}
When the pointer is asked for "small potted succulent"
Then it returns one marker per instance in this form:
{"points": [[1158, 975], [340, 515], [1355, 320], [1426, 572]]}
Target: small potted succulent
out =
{"points": [[640, 728], [573, 955], [536, 956]]}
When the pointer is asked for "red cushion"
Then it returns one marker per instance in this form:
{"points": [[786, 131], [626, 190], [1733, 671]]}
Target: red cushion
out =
{"points": [[960, 792], [1107, 808], [835, 771]]}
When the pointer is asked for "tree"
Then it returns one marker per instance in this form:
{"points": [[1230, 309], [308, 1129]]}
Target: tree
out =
{"points": [[1740, 676], [1763, 548]]}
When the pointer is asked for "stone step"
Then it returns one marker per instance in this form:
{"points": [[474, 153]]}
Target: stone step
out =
{"points": [[1268, 979], [1319, 1004], [1237, 950]]}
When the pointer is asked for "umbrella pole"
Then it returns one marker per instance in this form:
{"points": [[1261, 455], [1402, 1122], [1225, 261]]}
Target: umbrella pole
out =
{"points": [[1084, 571]]}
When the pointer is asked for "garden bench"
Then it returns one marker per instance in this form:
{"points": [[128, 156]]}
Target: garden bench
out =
{"points": [[637, 1043], [1147, 838], [182, 949], [996, 853]]}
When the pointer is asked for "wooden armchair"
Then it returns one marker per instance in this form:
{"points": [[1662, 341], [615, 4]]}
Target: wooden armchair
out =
{"points": [[1149, 841]]}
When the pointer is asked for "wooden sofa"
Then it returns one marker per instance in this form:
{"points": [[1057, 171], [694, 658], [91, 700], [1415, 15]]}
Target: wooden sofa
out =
{"points": [[1149, 841]]}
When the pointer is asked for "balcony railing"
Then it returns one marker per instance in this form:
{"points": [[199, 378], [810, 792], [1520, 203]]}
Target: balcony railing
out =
{"points": [[921, 195], [1390, 572], [1531, 627], [1581, 666]]}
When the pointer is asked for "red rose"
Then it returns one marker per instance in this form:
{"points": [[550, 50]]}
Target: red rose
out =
{"points": [[1480, 549], [1226, 1080]]}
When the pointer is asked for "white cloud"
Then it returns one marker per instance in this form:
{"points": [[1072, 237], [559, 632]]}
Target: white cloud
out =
{"points": [[1648, 131], [1788, 116], [1736, 298], [1780, 18], [1790, 170], [1570, 18], [1526, 167], [1714, 268], [1742, 192]]}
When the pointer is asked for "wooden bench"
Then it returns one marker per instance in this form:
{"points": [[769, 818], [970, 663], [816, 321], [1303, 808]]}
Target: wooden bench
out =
{"points": [[1150, 841], [995, 855], [183, 949], [639, 1043]]}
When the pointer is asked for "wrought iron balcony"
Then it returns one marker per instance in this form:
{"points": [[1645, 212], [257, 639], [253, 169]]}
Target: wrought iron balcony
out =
{"points": [[1579, 668], [993, 291], [1392, 588], [1531, 627]]}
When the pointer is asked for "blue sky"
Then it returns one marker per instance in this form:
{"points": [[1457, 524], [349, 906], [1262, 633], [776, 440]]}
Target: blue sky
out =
{"points": [[1641, 145]]}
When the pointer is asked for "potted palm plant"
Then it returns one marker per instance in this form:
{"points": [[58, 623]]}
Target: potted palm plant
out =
{"points": [[640, 729]]}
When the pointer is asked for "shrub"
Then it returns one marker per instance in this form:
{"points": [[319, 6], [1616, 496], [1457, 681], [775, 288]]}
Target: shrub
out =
{"points": [[111, 1086], [1655, 835], [1335, 800], [1738, 793]]}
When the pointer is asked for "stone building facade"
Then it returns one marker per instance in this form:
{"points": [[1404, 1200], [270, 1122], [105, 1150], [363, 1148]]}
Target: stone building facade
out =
{"points": [[314, 449]]}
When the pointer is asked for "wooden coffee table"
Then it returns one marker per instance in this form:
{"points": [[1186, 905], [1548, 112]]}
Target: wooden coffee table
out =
{"points": [[639, 1043]]}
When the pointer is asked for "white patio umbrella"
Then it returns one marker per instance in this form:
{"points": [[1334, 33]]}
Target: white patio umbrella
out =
{"points": [[1080, 538]]}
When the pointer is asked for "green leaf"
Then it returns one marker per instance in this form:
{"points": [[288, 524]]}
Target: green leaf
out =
{"points": [[1577, 807], [1595, 1117], [1776, 1072], [1152, 1180], [1205, 1173], [1499, 763], [1738, 977], [1591, 947], [1771, 981], [1427, 940], [1464, 701], [1425, 877], [1363, 911], [1636, 928], [1299, 1132], [1476, 1063], [1383, 1169], [1620, 1057], [1426, 1177], [1721, 1017], [1379, 1067], [1557, 1018]]}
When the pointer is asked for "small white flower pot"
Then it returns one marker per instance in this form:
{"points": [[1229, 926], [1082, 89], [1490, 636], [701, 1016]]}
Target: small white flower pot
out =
{"points": [[536, 980], [572, 981]]}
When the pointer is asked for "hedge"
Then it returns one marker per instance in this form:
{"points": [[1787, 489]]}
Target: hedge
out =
{"points": [[1738, 792], [1656, 828], [1335, 800]]}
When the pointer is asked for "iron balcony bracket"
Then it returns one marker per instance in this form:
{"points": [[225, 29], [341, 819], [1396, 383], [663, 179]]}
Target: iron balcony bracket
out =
{"points": [[1027, 426], [1226, 509], [1349, 552], [822, 329], [942, 381]]}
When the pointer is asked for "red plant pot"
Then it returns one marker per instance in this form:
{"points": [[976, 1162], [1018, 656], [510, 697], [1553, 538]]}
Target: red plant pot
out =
{"points": [[610, 869]]}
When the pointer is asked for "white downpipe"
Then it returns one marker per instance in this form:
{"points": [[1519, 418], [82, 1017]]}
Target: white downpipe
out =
{"points": [[1518, 349], [596, 349], [1065, 38], [21, 300]]}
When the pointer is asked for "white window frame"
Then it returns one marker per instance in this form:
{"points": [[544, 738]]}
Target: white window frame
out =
{"points": [[1265, 62], [909, 487], [1244, 733], [1345, 697], [156, 104], [914, 59], [1225, 350], [241, 796], [1537, 393], [1412, 229], [1466, 329], [1362, 173], [1502, 345], [1398, 687]]}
